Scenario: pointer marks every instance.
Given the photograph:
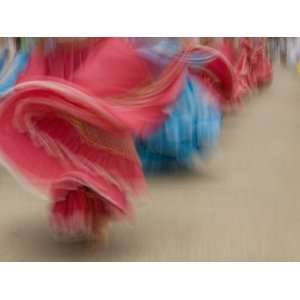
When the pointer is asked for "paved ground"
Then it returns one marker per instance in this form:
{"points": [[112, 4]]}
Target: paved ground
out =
{"points": [[245, 206]]}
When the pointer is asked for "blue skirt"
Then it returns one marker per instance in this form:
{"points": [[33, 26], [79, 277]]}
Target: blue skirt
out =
{"points": [[192, 127], [18, 65]]}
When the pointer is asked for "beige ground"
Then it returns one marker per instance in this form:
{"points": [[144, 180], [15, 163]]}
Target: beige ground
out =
{"points": [[245, 207]]}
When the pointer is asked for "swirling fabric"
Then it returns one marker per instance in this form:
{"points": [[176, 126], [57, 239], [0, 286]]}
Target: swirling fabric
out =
{"points": [[252, 68], [66, 128]]}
